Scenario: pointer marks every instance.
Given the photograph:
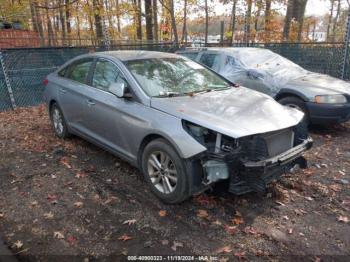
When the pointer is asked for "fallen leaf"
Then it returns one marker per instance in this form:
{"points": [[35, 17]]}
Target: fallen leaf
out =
{"points": [[162, 213], [237, 220], [72, 240], [231, 229], [202, 213], [225, 249], [51, 197], [124, 237], [78, 204], [343, 219], [240, 255], [308, 172], [64, 161], [110, 200], [129, 222], [18, 244], [48, 215], [2, 214], [34, 203], [217, 222], [165, 242], [299, 212], [176, 245], [80, 175], [290, 231], [58, 235], [250, 230], [336, 188]]}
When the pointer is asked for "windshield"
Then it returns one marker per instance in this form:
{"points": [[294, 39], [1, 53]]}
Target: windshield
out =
{"points": [[269, 61], [174, 76]]}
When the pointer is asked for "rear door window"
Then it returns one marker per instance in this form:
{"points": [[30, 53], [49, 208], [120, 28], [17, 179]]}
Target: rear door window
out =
{"points": [[79, 71], [210, 60]]}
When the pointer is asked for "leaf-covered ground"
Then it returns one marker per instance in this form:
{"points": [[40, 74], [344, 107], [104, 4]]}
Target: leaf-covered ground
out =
{"points": [[70, 198]]}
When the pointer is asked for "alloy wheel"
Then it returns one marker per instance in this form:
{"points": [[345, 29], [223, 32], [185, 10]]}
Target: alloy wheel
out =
{"points": [[162, 172], [57, 121]]}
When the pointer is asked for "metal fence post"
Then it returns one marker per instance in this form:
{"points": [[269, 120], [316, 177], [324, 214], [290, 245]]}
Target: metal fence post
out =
{"points": [[346, 47], [7, 81]]}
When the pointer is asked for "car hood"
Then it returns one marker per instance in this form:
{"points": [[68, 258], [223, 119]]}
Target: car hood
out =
{"points": [[320, 84], [236, 112]]}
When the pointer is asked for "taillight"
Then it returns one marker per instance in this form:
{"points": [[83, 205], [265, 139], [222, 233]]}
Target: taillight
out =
{"points": [[46, 82]]}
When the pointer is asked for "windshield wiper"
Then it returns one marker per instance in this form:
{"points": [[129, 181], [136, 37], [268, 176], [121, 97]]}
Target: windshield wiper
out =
{"points": [[169, 94]]}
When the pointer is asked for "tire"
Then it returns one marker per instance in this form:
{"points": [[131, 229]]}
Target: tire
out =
{"points": [[58, 122], [296, 103], [160, 175]]}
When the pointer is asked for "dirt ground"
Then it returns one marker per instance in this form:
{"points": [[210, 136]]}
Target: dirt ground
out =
{"points": [[69, 199]]}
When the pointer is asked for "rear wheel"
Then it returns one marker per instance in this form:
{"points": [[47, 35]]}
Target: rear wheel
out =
{"points": [[296, 103], [165, 172], [58, 122]]}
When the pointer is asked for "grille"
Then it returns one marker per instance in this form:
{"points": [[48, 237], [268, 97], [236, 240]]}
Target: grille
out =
{"points": [[279, 142]]}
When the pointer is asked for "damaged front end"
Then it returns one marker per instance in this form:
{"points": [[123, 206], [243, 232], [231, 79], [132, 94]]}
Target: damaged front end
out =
{"points": [[249, 163]]}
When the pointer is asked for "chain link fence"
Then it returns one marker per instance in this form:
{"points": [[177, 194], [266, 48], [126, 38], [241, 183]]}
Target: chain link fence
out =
{"points": [[25, 68]]}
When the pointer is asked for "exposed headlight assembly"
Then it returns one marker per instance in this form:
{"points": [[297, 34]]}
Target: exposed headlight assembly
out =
{"points": [[330, 99]]}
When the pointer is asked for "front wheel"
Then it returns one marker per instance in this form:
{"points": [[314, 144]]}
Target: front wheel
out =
{"points": [[296, 103], [165, 172]]}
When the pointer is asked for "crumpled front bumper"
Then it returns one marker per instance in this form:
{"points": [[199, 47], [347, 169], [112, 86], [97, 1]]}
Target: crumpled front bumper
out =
{"points": [[255, 176]]}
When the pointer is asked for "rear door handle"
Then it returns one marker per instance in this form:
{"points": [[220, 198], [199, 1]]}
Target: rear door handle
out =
{"points": [[90, 102], [63, 91]]}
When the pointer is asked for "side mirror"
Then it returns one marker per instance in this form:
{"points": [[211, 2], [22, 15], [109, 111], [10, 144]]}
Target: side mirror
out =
{"points": [[255, 74], [120, 89]]}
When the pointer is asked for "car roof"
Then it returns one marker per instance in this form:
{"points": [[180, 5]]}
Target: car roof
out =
{"points": [[127, 55], [234, 50]]}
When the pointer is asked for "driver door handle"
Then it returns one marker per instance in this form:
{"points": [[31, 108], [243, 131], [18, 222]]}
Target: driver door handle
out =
{"points": [[90, 102]]}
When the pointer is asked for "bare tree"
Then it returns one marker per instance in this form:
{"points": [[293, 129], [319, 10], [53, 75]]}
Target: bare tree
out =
{"points": [[184, 28], [169, 6], [233, 20], [148, 14], [155, 20], [206, 22]]}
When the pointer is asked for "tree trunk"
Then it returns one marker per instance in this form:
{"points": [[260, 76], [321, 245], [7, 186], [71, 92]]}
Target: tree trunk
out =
{"points": [[137, 18], [98, 20], [63, 22], [68, 26], [173, 23], [155, 20], [267, 20], [296, 10], [118, 17], [248, 20], [257, 17], [184, 28], [233, 22], [149, 25], [330, 21], [78, 29], [335, 21], [300, 18], [206, 23], [37, 21], [288, 20], [49, 27]]}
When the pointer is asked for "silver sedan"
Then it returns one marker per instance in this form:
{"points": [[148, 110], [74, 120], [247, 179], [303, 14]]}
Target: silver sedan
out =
{"points": [[185, 127]]}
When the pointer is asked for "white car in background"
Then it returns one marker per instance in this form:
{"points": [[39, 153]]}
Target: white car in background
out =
{"points": [[323, 99]]}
